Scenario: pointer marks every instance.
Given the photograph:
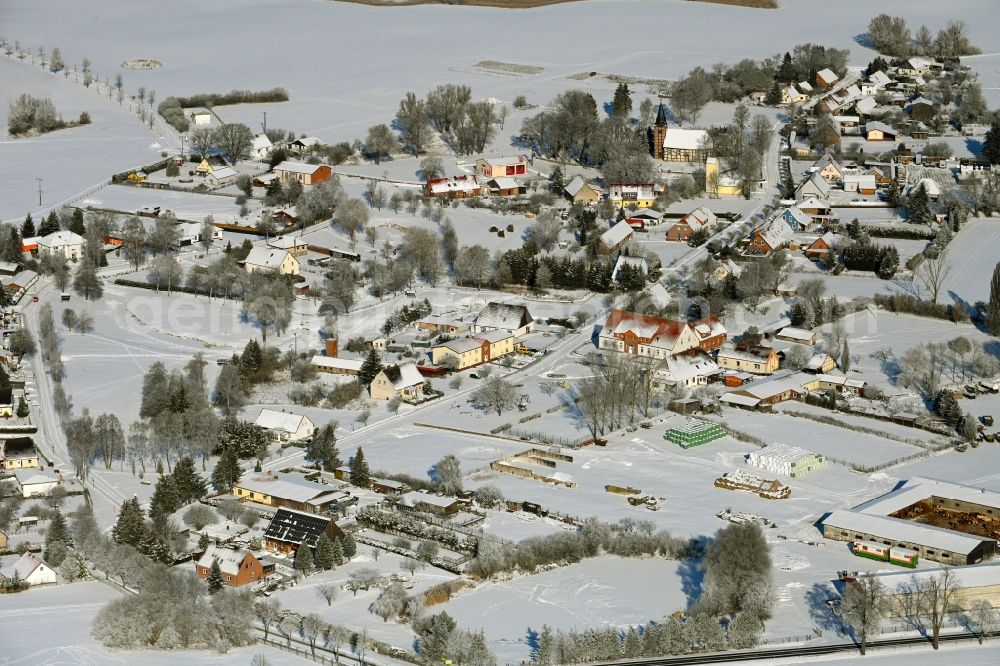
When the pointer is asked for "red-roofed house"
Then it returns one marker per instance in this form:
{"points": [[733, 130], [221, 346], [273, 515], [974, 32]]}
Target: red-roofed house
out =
{"points": [[644, 335]]}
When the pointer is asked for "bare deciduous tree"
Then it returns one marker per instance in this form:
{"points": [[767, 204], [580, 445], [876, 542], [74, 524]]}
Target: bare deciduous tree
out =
{"points": [[863, 607]]}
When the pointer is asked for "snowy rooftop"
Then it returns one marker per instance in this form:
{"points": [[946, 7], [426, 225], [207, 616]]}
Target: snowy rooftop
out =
{"points": [[272, 419], [284, 486], [685, 139], [266, 257], [229, 559], [297, 167], [897, 530], [338, 363], [986, 574], [413, 498], [781, 453], [616, 234], [918, 488]]}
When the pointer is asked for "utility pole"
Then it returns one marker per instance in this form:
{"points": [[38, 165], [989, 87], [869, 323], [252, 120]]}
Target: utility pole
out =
{"points": [[39, 191], [265, 122], [183, 156]]}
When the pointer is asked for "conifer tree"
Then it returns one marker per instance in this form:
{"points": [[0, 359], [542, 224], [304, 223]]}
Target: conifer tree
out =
{"points": [[28, 228], [556, 184], [993, 307], [991, 143], [51, 224], [215, 580], [322, 449], [303, 558], [324, 552], [165, 500], [76, 222], [349, 546], [370, 368], [130, 528], [227, 471], [190, 485], [203, 542], [337, 554], [57, 539], [360, 476]]}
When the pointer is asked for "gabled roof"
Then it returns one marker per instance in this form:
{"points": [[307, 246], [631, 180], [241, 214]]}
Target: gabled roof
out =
{"points": [[223, 172], [467, 183], [414, 498], [462, 345], [685, 139], [657, 329], [645, 214], [31, 477], [506, 316], [879, 79], [829, 159], [338, 363], [818, 181], [307, 141], [298, 167], [812, 202], [661, 115], [578, 184], [876, 125], [403, 376], [260, 142], [61, 239], [296, 527], [708, 327], [272, 419], [826, 75], [616, 234], [495, 161], [229, 559], [699, 219], [865, 105], [23, 567], [268, 257], [504, 183], [793, 212], [285, 486], [685, 368]]}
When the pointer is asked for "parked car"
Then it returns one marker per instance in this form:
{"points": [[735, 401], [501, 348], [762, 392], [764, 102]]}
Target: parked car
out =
{"points": [[987, 419], [991, 385]]}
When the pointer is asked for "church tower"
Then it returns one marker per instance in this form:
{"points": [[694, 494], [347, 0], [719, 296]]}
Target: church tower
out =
{"points": [[659, 132]]}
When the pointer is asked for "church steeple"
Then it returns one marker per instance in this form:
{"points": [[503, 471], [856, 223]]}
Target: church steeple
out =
{"points": [[661, 116]]}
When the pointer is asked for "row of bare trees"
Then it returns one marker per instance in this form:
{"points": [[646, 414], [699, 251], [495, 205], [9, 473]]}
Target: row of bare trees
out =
{"points": [[926, 602], [622, 389]]}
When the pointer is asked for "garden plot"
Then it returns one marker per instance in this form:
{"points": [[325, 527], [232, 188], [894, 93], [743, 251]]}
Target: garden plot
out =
{"points": [[893, 429], [593, 593], [352, 610], [831, 441]]}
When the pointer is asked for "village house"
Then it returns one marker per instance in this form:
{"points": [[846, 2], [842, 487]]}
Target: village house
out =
{"points": [[18, 284], [580, 191], [862, 184], [879, 131], [201, 117], [700, 219], [271, 260], [402, 381], [501, 343], [260, 148], [515, 319], [32, 482], [725, 269], [875, 82], [830, 169], [921, 109], [791, 95], [814, 186], [763, 394], [504, 186], [432, 504], [302, 145], [294, 245], [758, 360], [677, 144], [31, 569], [289, 530], [632, 195], [820, 363], [18, 453], [821, 247], [443, 323], [612, 240], [826, 78], [189, 233], [289, 491], [792, 216], [65, 243], [710, 332], [495, 167], [768, 237], [816, 208], [638, 263], [454, 187], [239, 567], [915, 66], [337, 366], [643, 218], [688, 371], [466, 352], [865, 107], [285, 426], [307, 174], [645, 335], [719, 184], [797, 335], [221, 176]]}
